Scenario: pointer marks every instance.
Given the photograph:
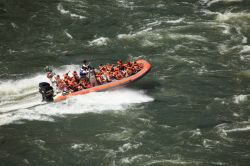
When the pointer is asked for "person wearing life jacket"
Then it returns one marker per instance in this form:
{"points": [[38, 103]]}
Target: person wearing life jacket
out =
{"points": [[57, 79], [117, 75], [66, 76], [73, 86], [119, 62], [61, 85], [136, 67], [79, 87], [98, 78], [120, 65], [108, 67], [66, 79], [84, 84], [75, 77], [122, 70], [129, 68], [104, 78], [103, 68], [110, 76], [100, 67], [50, 74]]}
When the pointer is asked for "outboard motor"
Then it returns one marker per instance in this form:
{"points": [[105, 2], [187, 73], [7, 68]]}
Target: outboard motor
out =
{"points": [[47, 91]]}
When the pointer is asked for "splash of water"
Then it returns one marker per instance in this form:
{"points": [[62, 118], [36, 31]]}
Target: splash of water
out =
{"points": [[20, 100], [97, 102]]}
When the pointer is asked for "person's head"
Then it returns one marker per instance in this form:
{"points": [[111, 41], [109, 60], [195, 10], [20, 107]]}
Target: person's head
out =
{"points": [[84, 61]]}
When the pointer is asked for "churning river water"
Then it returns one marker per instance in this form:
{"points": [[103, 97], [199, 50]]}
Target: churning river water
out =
{"points": [[193, 108]]}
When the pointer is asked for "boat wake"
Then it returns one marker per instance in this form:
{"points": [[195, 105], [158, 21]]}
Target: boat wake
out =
{"points": [[21, 101]]}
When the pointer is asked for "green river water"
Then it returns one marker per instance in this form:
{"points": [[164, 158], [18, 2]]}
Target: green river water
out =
{"points": [[193, 108]]}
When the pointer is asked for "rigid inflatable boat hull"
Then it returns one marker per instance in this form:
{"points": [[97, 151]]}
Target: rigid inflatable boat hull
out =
{"points": [[112, 85]]}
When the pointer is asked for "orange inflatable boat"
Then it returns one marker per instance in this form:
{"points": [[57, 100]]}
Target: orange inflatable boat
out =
{"points": [[111, 85]]}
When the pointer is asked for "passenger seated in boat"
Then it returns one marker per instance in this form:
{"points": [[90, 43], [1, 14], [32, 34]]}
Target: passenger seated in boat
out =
{"points": [[50, 74], [58, 80], [98, 78], [129, 68], [111, 76], [104, 78], [117, 74], [90, 77], [136, 67], [66, 78], [108, 76], [109, 67], [119, 62], [100, 67], [75, 77], [79, 87], [60, 84], [72, 86], [84, 84]]}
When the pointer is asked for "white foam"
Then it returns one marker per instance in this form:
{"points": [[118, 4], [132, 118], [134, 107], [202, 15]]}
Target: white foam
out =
{"points": [[128, 160], [175, 162], [102, 41], [125, 4], [207, 143], [128, 146], [239, 98], [216, 1], [196, 132], [14, 25], [228, 16], [82, 147], [23, 93], [63, 11], [244, 40], [68, 35], [125, 36], [139, 33], [226, 28], [98, 102], [23, 114], [155, 23], [245, 49], [238, 129], [190, 37], [175, 21], [17, 89]]}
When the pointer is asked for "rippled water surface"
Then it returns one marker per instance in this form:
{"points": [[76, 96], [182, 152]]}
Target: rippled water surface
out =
{"points": [[193, 107]]}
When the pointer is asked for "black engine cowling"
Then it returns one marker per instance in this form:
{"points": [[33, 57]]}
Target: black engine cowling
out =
{"points": [[46, 90]]}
